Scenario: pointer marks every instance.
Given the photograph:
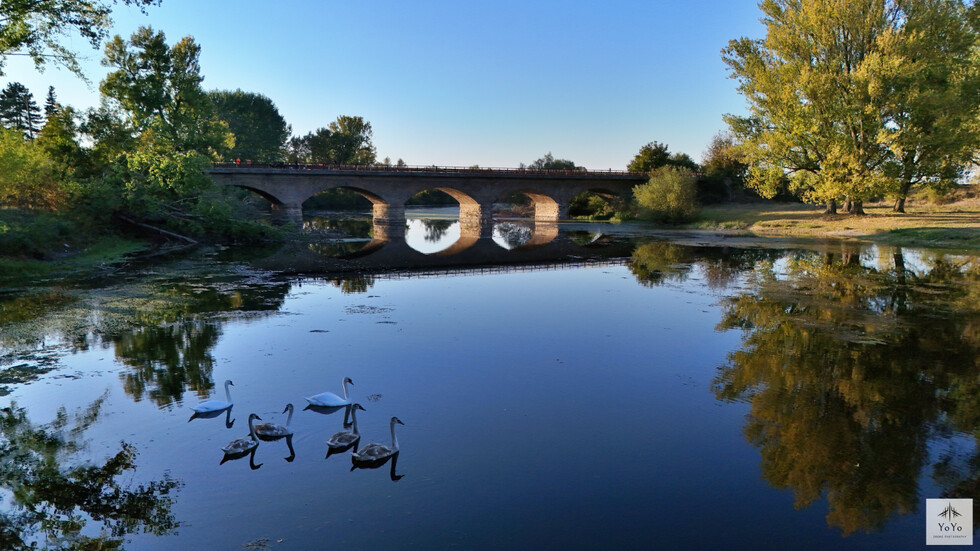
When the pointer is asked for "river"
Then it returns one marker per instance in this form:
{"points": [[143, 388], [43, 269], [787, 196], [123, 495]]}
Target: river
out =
{"points": [[603, 389]]}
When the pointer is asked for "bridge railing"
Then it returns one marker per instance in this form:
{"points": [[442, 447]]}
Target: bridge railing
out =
{"points": [[420, 168]]}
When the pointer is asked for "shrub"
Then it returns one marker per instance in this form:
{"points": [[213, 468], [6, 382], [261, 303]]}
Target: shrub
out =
{"points": [[669, 196]]}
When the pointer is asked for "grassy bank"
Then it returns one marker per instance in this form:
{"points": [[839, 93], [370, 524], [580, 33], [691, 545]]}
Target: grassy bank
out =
{"points": [[952, 225], [99, 255]]}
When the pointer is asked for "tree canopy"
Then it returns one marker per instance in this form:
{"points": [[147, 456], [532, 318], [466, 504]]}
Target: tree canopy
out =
{"points": [[549, 162], [18, 110], [345, 141], [260, 130], [655, 155], [840, 92], [37, 28]]}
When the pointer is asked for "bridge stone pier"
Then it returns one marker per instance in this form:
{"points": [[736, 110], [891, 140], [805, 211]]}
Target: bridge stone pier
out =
{"points": [[389, 188]]}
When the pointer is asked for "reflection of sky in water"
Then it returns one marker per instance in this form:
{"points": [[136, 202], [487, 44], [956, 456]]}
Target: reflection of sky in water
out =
{"points": [[562, 408]]}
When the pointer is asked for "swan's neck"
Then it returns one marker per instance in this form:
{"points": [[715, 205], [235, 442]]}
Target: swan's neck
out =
{"points": [[227, 394], [251, 428], [394, 441], [353, 419], [289, 417], [345, 389]]}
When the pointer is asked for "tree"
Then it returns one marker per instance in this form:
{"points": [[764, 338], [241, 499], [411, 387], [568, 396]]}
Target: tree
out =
{"points": [[260, 130], [51, 103], [35, 28], [549, 162], [346, 141], [352, 141], [19, 110], [669, 196], [815, 93], [157, 89], [933, 111], [655, 155], [28, 176], [724, 171], [850, 100], [154, 95]]}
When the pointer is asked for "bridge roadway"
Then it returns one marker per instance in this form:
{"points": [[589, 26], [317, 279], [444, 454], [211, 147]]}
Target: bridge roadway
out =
{"points": [[389, 187]]}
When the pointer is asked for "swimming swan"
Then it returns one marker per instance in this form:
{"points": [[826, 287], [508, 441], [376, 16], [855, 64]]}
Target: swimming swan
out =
{"points": [[346, 439], [243, 445], [275, 429], [329, 399], [215, 405], [377, 452]]}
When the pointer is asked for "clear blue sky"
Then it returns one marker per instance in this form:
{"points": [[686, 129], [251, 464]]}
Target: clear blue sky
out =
{"points": [[461, 83]]}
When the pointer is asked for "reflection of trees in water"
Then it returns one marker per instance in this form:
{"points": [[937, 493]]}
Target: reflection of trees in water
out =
{"points": [[350, 285], [657, 262], [168, 359], [51, 503], [435, 230], [850, 372], [336, 249], [158, 329], [513, 234], [349, 227]]}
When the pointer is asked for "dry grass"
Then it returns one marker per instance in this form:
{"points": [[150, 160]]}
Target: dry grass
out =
{"points": [[955, 224]]}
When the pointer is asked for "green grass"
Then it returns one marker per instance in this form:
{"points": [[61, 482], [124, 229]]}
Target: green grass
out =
{"points": [[958, 238], [99, 255]]}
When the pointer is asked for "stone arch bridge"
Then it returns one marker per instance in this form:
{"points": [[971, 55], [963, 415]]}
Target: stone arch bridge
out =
{"points": [[388, 188]]}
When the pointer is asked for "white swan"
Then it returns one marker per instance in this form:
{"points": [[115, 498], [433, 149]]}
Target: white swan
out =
{"points": [[377, 452], [329, 399], [345, 439], [215, 405], [243, 445], [275, 429]]}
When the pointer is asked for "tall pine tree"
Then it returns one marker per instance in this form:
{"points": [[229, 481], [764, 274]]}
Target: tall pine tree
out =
{"points": [[50, 104], [19, 110]]}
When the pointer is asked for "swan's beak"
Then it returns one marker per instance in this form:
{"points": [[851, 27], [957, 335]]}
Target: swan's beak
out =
{"points": [[285, 410], [399, 421]]}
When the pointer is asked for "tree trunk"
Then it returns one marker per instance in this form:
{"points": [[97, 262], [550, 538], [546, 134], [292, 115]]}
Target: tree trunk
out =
{"points": [[857, 207], [903, 192], [847, 205], [831, 207]]}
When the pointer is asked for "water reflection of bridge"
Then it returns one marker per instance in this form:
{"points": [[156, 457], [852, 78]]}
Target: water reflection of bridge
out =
{"points": [[467, 255]]}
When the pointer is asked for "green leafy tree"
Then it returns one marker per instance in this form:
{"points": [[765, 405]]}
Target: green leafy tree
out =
{"points": [[36, 28], [59, 138], [655, 155], [815, 94], [19, 110], [29, 179], [669, 196], [155, 90], [260, 130], [352, 141], [549, 162], [346, 141], [933, 110]]}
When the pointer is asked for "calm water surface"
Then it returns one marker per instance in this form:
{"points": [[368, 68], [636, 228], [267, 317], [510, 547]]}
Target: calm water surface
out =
{"points": [[596, 392]]}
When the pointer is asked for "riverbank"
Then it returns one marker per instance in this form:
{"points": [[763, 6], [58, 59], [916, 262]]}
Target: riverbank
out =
{"points": [[952, 225]]}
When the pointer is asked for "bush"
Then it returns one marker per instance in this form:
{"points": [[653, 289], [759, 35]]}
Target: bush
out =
{"points": [[669, 196]]}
